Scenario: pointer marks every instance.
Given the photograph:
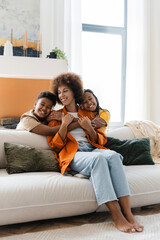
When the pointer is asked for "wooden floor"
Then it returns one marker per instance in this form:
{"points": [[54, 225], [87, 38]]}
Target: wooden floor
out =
{"points": [[44, 225]]}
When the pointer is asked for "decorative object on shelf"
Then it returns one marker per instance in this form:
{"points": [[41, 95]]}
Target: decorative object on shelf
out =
{"points": [[20, 47], [39, 44], [58, 53], [20, 22], [25, 43], [8, 49]]}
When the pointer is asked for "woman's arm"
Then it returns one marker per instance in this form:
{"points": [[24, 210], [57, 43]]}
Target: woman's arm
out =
{"points": [[66, 120]]}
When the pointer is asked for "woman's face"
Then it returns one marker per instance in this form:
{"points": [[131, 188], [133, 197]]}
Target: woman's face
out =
{"points": [[65, 95], [90, 102]]}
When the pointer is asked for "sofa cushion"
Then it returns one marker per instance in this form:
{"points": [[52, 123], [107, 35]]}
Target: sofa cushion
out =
{"points": [[134, 151], [20, 158], [42, 195], [20, 137]]}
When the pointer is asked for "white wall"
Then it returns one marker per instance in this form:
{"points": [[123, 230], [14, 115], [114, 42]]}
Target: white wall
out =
{"points": [[52, 25], [60, 26], [155, 62]]}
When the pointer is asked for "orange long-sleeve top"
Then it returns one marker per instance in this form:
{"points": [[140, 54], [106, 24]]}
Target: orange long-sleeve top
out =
{"points": [[65, 150]]}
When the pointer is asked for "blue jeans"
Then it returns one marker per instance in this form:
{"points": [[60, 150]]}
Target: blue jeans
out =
{"points": [[105, 169]]}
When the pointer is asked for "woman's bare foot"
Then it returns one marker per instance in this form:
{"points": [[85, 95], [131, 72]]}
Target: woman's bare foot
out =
{"points": [[122, 224], [131, 220]]}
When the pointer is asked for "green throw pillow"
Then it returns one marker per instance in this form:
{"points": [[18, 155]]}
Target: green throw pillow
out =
{"points": [[134, 151], [21, 158]]}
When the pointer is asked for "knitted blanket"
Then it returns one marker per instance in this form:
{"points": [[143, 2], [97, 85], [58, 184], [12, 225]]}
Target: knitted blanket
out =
{"points": [[143, 129]]}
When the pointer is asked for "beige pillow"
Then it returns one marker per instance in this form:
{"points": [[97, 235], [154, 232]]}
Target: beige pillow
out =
{"points": [[20, 158]]}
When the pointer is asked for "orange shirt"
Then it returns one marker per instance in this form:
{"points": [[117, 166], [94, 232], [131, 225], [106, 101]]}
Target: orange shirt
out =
{"points": [[65, 150]]}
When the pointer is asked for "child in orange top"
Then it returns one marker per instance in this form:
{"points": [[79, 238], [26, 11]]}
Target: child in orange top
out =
{"points": [[91, 104]]}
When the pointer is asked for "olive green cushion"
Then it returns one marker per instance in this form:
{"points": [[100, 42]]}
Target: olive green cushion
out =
{"points": [[134, 151], [20, 158]]}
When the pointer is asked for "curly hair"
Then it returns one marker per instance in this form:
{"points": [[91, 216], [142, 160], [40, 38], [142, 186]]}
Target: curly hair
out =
{"points": [[71, 80]]}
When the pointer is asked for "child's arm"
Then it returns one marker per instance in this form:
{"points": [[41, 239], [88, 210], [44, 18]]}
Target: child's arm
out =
{"points": [[98, 122], [55, 115], [102, 120], [45, 130]]}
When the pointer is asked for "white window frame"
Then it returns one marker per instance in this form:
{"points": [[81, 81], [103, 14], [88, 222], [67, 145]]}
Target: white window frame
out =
{"points": [[122, 31]]}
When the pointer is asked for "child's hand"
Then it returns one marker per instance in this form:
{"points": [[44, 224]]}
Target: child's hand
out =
{"points": [[98, 122], [54, 115], [67, 119], [85, 123]]}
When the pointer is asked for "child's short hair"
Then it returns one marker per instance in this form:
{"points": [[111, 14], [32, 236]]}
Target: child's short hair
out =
{"points": [[49, 95]]}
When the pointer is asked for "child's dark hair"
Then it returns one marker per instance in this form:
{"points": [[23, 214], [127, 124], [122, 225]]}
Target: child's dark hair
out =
{"points": [[98, 108], [49, 95]]}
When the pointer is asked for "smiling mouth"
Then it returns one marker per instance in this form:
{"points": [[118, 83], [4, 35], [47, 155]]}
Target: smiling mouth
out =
{"points": [[42, 112], [63, 99], [91, 106]]}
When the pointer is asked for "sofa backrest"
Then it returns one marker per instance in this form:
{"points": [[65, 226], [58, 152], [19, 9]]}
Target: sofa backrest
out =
{"points": [[20, 137], [40, 142], [121, 133]]}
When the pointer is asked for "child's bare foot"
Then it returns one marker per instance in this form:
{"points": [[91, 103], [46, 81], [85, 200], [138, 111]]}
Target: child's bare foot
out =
{"points": [[131, 220], [122, 224]]}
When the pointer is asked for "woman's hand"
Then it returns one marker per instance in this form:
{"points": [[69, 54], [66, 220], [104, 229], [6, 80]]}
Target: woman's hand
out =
{"points": [[85, 123], [54, 115], [67, 119]]}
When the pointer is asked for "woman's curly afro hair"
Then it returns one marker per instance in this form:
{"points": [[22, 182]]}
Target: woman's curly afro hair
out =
{"points": [[71, 80]]}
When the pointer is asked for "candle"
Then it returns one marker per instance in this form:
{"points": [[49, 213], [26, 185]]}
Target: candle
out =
{"points": [[12, 36], [40, 44], [26, 42]]}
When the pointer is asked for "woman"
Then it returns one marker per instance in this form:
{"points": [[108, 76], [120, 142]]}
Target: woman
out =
{"points": [[82, 150]]}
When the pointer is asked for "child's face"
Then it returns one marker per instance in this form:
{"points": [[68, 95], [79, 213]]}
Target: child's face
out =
{"points": [[43, 108], [90, 102]]}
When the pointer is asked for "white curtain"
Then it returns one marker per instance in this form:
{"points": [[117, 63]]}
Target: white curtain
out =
{"points": [[73, 29], [138, 61]]}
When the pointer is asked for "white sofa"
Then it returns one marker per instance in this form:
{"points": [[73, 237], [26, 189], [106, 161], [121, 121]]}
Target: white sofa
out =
{"points": [[42, 195]]}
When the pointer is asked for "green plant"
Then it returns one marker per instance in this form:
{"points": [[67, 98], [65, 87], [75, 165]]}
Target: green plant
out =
{"points": [[60, 53]]}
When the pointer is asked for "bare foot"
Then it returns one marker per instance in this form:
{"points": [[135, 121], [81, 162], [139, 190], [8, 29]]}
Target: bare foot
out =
{"points": [[131, 220], [122, 224]]}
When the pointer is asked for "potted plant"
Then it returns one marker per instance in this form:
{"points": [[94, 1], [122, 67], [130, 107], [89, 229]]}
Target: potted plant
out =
{"points": [[58, 53]]}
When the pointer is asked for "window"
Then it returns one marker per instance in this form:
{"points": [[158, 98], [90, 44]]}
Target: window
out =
{"points": [[104, 31]]}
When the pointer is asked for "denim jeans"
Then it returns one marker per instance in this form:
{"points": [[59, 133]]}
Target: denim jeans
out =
{"points": [[105, 169]]}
